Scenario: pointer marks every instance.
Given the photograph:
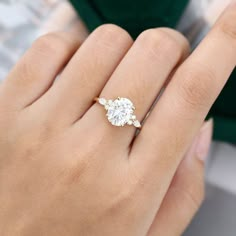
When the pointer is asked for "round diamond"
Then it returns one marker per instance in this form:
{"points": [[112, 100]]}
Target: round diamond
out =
{"points": [[120, 111]]}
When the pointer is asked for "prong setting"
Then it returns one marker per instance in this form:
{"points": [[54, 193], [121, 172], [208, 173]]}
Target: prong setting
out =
{"points": [[120, 112]]}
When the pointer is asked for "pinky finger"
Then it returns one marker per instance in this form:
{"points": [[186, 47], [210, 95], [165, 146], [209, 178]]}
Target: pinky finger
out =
{"points": [[186, 191]]}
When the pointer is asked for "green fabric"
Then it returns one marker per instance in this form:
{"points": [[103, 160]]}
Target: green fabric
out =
{"points": [[136, 16], [224, 112]]}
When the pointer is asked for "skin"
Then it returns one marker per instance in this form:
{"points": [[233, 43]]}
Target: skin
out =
{"points": [[65, 170]]}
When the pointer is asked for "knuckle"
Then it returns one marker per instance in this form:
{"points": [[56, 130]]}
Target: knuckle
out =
{"points": [[26, 151], [51, 44], [86, 159], [25, 71], [228, 24], [41, 136], [125, 198], [110, 29], [196, 88], [129, 187], [157, 42], [177, 35], [75, 172], [107, 34]]}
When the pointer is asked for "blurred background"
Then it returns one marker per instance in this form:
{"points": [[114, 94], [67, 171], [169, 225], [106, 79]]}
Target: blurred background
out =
{"points": [[22, 21]]}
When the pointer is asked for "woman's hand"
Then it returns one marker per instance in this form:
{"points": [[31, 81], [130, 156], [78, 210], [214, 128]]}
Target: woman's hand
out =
{"points": [[65, 170]]}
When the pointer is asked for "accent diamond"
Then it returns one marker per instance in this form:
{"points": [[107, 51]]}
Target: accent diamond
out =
{"points": [[130, 122], [102, 101], [137, 124]]}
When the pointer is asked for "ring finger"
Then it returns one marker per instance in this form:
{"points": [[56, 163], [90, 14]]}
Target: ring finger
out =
{"points": [[141, 75]]}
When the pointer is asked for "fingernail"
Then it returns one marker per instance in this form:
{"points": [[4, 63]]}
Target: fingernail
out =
{"points": [[204, 140]]}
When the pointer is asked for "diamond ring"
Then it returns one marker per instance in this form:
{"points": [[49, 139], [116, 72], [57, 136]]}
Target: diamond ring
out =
{"points": [[119, 111]]}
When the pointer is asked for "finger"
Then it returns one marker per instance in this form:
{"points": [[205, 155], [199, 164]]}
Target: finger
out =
{"points": [[37, 69], [186, 101], [86, 74], [186, 191], [141, 74]]}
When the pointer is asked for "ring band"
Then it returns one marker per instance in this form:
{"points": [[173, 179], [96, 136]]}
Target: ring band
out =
{"points": [[120, 112]]}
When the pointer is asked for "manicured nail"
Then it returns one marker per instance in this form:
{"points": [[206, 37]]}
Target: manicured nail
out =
{"points": [[204, 140]]}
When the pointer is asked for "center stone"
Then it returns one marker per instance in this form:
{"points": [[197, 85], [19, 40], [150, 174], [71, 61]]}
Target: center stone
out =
{"points": [[120, 111]]}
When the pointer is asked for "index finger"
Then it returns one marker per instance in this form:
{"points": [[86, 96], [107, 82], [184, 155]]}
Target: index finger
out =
{"points": [[180, 111]]}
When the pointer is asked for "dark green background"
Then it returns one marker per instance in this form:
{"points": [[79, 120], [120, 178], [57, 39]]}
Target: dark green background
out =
{"points": [[138, 15]]}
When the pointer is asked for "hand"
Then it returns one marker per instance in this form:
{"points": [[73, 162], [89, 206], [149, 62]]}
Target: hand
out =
{"points": [[65, 170]]}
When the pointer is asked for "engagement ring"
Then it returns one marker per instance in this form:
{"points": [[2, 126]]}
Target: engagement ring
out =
{"points": [[120, 111]]}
